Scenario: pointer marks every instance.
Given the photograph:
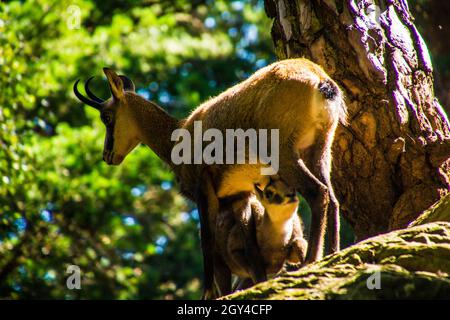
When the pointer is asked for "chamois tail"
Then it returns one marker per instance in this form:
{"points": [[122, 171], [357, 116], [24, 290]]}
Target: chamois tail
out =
{"points": [[331, 92]]}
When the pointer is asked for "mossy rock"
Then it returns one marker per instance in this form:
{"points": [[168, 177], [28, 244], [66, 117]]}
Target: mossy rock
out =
{"points": [[440, 211], [413, 263]]}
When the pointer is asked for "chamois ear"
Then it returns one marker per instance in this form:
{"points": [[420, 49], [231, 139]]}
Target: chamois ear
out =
{"points": [[258, 190], [115, 84], [128, 85]]}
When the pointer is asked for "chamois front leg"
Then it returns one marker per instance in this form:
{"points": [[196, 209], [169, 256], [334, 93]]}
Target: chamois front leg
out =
{"points": [[298, 246], [222, 276], [207, 249], [297, 251], [207, 204], [242, 284], [252, 258]]}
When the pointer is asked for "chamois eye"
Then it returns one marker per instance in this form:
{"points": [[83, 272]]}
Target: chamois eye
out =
{"points": [[106, 118], [268, 194], [277, 199]]}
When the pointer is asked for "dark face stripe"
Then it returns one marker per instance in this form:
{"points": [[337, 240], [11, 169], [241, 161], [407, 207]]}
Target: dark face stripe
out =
{"points": [[109, 140]]}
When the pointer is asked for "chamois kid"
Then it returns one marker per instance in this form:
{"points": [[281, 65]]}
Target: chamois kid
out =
{"points": [[294, 96], [278, 231]]}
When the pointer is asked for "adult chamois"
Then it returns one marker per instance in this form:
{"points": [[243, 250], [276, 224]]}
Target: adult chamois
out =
{"points": [[294, 96]]}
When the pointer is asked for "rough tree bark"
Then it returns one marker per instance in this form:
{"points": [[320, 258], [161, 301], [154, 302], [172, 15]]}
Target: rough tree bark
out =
{"points": [[393, 159]]}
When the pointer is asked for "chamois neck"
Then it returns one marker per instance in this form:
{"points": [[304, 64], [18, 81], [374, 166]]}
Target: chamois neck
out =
{"points": [[155, 127], [278, 219]]}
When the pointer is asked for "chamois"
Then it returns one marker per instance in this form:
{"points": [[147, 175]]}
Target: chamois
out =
{"points": [[295, 96], [278, 231]]}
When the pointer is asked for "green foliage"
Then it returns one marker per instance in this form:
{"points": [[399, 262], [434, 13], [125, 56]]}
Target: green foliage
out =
{"points": [[127, 228]]}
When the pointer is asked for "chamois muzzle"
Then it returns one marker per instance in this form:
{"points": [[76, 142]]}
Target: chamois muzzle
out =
{"points": [[111, 158], [91, 100]]}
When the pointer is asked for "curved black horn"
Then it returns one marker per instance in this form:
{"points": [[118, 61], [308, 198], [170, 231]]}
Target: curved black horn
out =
{"points": [[90, 93], [85, 100]]}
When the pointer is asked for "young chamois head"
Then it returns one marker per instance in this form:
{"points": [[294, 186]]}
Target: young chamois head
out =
{"points": [[279, 199], [121, 130]]}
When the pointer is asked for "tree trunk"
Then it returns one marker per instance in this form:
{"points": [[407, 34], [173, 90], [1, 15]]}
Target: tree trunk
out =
{"points": [[393, 159]]}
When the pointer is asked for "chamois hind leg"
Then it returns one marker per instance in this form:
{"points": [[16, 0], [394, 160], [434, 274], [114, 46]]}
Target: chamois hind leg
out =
{"points": [[323, 172], [317, 196], [321, 169], [333, 218], [315, 191]]}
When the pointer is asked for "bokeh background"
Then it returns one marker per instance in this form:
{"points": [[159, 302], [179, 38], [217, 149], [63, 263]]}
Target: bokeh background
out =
{"points": [[127, 228]]}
